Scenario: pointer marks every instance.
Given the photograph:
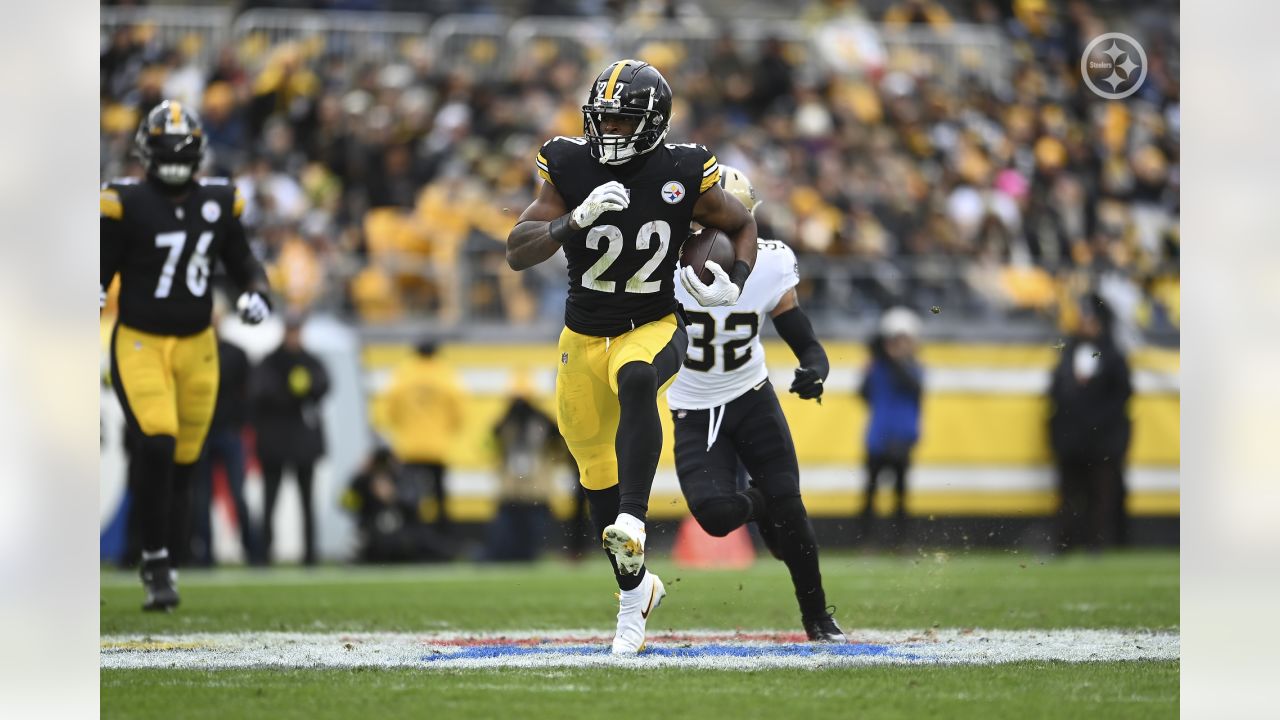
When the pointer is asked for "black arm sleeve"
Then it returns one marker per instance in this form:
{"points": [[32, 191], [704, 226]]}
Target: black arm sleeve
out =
{"points": [[111, 245], [795, 328], [245, 270]]}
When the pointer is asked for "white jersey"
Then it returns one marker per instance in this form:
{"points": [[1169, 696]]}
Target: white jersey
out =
{"points": [[725, 356]]}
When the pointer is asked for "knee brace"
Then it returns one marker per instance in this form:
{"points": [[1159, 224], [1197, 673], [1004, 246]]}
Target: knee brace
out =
{"points": [[720, 516]]}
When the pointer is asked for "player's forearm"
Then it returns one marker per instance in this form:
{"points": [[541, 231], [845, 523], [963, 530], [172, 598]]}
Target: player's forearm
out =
{"points": [[534, 241], [744, 250], [795, 329]]}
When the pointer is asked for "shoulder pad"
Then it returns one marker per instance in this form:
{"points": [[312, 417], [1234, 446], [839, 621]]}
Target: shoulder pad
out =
{"points": [[706, 158], [109, 203], [555, 151]]}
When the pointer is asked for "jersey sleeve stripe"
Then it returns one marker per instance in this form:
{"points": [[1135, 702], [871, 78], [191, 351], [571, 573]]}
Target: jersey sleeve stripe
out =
{"points": [[109, 205], [712, 169], [542, 173], [709, 163], [237, 205], [711, 180]]}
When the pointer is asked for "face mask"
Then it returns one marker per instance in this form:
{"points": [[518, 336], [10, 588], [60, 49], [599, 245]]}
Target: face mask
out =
{"points": [[174, 173]]}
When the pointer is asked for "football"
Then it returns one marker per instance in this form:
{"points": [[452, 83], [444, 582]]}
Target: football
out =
{"points": [[707, 244]]}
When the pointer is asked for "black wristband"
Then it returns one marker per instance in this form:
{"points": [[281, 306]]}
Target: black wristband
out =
{"points": [[560, 230], [739, 274]]}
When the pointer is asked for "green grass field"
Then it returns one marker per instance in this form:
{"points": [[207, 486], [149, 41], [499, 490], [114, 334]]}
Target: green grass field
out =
{"points": [[991, 591]]}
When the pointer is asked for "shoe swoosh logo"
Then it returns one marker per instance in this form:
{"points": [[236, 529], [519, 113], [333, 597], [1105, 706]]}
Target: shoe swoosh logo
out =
{"points": [[649, 607]]}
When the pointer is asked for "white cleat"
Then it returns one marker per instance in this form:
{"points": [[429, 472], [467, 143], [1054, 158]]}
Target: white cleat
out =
{"points": [[625, 540], [634, 607]]}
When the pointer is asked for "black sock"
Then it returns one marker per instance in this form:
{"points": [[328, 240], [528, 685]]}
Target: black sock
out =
{"points": [[799, 549], [155, 476], [639, 440], [604, 510], [180, 514]]}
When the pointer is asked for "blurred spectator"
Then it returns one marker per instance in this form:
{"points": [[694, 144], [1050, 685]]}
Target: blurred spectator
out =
{"points": [[1089, 431], [225, 446], [388, 522], [286, 390], [422, 413], [892, 388], [531, 451]]}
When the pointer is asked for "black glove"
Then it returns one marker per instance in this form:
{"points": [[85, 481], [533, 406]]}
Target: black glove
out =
{"points": [[808, 384]]}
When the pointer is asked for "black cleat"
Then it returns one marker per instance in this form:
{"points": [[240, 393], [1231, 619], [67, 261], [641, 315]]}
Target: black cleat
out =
{"points": [[823, 629], [161, 584]]}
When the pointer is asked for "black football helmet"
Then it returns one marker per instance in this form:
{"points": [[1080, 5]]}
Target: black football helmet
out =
{"points": [[634, 89], [171, 142]]}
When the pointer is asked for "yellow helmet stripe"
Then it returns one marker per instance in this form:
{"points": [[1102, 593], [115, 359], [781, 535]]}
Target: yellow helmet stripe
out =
{"points": [[175, 112], [613, 78]]}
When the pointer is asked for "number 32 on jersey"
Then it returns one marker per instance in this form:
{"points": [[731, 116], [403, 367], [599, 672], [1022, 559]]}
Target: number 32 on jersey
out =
{"points": [[639, 282]]}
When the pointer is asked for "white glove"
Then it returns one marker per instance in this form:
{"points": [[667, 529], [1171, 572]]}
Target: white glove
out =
{"points": [[609, 197], [253, 308], [720, 292]]}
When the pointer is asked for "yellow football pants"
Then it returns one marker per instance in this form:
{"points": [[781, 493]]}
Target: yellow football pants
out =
{"points": [[167, 385], [587, 407]]}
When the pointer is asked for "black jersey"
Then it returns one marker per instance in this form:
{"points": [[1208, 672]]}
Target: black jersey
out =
{"points": [[622, 269], [164, 251]]}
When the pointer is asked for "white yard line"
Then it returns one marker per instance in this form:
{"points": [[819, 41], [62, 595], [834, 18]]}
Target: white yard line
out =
{"points": [[589, 648]]}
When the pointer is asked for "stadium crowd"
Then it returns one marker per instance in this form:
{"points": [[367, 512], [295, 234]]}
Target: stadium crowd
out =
{"points": [[388, 187]]}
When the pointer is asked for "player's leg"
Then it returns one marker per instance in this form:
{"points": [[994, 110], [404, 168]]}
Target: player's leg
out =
{"points": [[143, 382], [706, 466], [763, 440], [640, 363], [195, 372], [587, 415]]}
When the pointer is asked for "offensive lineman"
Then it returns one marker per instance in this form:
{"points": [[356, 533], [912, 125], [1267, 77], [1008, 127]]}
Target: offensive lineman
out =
{"points": [[162, 235], [619, 202], [724, 409]]}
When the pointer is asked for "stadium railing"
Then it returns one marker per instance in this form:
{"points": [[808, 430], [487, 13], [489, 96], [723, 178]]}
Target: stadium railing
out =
{"points": [[372, 37], [492, 46], [172, 25]]}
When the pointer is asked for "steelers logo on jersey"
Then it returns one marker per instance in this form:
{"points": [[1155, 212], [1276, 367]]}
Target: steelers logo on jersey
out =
{"points": [[672, 192], [211, 211]]}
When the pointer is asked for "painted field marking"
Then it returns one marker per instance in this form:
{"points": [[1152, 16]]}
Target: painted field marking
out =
{"points": [[586, 648]]}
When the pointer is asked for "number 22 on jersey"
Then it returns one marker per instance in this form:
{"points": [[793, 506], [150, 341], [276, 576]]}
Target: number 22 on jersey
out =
{"points": [[639, 282]]}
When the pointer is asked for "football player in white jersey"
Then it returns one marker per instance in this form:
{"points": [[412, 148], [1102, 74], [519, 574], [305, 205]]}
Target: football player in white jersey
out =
{"points": [[725, 410]]}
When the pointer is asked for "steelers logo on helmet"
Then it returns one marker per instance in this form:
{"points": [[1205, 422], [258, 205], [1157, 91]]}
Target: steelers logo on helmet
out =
{"points": [[628, 94], [171, 142]]}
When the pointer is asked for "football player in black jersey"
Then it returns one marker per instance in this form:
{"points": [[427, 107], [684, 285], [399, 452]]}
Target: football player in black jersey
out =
{"points": [[162, 235], [619, 202]]}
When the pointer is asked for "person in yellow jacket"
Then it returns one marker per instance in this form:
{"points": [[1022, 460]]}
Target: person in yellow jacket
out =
{"points": [[422, 414]]}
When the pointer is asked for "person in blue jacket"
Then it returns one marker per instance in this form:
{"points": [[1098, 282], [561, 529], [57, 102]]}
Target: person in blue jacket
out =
{"points": [[892, 388]]}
